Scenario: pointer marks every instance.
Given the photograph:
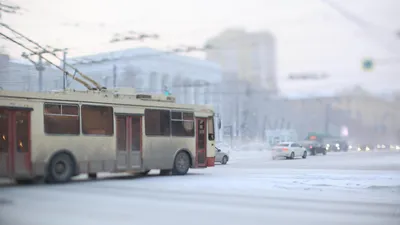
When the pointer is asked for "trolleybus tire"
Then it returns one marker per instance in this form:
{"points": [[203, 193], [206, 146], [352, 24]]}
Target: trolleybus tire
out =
{"points": [[144, 173], [92, 175], [165, 172], [24, 181], [181, 164], [61, 168]]}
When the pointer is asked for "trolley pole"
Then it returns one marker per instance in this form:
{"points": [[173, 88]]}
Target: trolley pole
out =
{"points": [[64, 73]]}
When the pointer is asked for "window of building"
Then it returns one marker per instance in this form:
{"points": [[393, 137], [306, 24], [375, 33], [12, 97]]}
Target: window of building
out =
{"points": [[61, 119], [153, 82], [157, 122], [182, 124], [97, 120]]}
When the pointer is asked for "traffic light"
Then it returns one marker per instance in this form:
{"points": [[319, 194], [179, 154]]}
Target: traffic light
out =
{"points": [[367, 64], [166, 91]]}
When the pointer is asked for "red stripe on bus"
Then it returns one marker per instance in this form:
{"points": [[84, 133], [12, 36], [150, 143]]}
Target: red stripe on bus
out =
{"points": [[28, 162], [210, 161]]}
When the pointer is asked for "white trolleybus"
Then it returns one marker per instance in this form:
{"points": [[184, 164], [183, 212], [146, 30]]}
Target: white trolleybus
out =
{"points": [[58, 135]]}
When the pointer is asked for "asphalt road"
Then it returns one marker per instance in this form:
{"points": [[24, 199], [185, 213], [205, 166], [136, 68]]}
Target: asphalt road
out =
{"points": [[339, 188]]}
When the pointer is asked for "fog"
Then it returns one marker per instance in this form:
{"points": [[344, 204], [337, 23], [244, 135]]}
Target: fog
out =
{"points": [[273, 71]]}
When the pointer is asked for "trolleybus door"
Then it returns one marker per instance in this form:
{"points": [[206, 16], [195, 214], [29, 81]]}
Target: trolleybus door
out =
{"points": [[122, 142], [129, 142], [15, 142], [201, 142], [135, 142]]}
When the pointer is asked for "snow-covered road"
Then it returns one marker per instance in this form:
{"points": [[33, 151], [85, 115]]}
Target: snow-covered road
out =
{"points": [[340, 188]]}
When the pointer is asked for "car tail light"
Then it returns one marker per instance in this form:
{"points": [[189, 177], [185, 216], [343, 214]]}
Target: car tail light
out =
{"points": [[285, 149]]}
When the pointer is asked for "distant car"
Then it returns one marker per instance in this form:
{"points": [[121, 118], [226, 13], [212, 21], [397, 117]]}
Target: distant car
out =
{"points": [[337, 146], [289, 150], [383, 146], [365, 147], [314, 147], [221, 156]]}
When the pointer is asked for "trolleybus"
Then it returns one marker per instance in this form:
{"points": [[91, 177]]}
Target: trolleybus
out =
{"points": [[57, 135]]}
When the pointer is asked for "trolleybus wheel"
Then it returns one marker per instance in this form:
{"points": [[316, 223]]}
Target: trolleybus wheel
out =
{"points": [[61, 168], [181, 164], [24, 181], [165, 172], [144, 173]]}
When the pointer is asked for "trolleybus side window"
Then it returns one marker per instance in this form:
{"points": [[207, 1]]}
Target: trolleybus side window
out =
{"points": [[61, 119], [3, 131], [157, 122], [97, 120], [211, 134], [182, 124]]}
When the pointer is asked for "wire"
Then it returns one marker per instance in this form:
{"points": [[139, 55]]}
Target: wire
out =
{"points": [[52, 53], [361, 23], [58, 67]]}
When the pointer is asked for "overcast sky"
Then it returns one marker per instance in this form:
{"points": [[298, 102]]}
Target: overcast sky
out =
{"points": [[311, 35]]}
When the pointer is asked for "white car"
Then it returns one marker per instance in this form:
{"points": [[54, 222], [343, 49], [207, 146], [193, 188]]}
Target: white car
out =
{"points": [[221, 156], [289, 150]]}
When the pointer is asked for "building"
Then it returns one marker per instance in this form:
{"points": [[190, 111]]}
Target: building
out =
{"points": [[380, 115], [368, 118], [21, 75], [252, 56], [190, 80]]}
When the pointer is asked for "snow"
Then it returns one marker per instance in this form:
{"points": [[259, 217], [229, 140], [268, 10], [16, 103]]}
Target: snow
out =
{"points": [[348, 188]]}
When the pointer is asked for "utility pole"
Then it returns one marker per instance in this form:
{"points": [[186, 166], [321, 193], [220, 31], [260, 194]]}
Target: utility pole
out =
{"points": [[327, 117], [39, 66], [115, 76]]}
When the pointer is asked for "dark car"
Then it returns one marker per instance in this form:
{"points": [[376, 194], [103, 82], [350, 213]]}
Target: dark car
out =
{"points": [[314, 147], [337, 145]]}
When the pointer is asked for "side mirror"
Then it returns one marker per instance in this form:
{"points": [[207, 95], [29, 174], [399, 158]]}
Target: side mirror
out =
{"points": [[218, 150]]}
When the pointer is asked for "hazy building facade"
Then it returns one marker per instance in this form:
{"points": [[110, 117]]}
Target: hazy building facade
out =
{"points": [[21, 75], [252, 56], [190, 80]]}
